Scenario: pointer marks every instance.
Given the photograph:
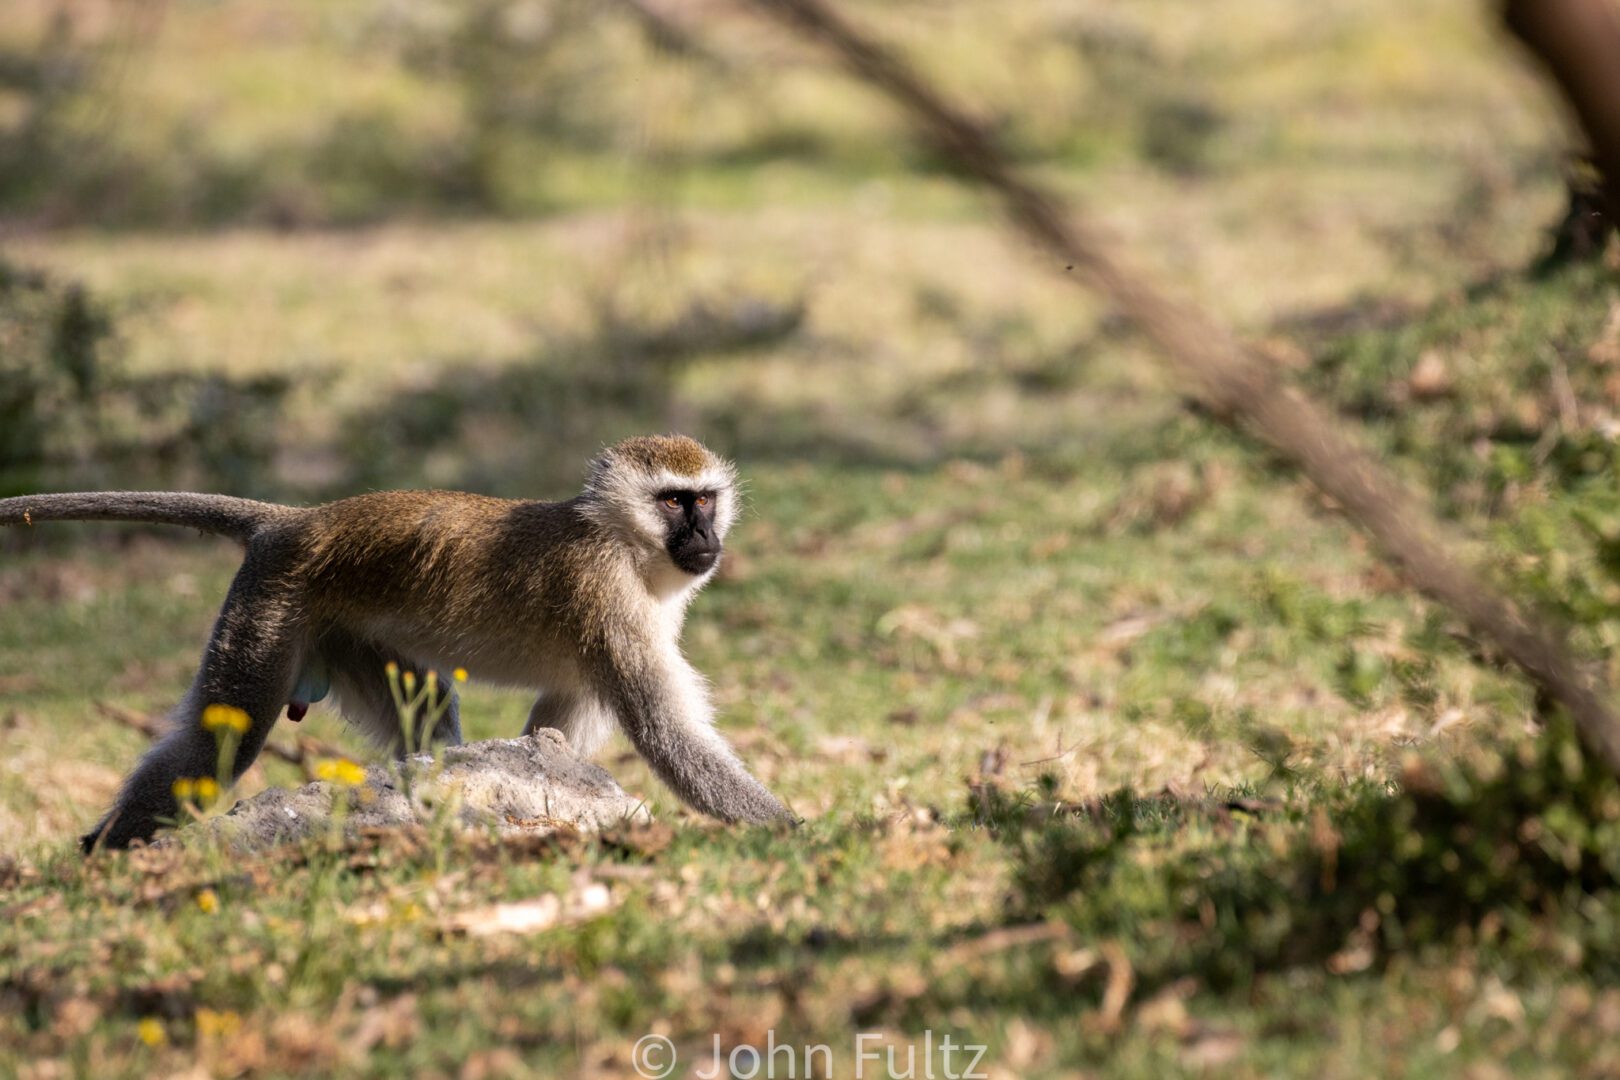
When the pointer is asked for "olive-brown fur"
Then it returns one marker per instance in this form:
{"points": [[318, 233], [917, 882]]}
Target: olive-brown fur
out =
{"points": [[578, 599]]}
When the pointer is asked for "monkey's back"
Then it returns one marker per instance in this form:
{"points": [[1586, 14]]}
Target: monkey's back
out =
{"points": [[375, 563]]}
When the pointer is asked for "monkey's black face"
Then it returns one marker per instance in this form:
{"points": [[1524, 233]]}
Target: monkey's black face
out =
{"points": [[691, 539]]}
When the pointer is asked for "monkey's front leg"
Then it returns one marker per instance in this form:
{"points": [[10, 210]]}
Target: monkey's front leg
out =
{"points": [[661, 704]]}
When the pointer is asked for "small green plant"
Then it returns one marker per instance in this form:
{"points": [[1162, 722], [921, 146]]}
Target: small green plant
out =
{"points": [[1499, 836], [420, 708], [198, 796], [52, 344]]}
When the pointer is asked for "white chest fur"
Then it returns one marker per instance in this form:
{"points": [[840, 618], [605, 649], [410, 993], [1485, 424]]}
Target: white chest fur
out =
{"points": [[674, 588]]}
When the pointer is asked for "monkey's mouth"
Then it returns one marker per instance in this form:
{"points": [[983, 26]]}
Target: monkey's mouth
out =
{"points": [[695, 560]]}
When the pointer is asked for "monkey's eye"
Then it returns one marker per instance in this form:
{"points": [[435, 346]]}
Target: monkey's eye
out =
{"points": [[672, 502], [703, 500]]}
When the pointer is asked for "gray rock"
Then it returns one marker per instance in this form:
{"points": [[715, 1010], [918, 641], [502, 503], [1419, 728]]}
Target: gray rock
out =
{"points": [[534, 784]]}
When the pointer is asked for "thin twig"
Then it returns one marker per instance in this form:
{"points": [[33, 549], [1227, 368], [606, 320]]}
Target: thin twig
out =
{"points": [[1238, 386], [1003, 938]]}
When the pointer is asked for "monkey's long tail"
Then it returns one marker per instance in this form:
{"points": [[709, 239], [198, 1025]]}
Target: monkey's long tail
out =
{"points": [[218, 514]]}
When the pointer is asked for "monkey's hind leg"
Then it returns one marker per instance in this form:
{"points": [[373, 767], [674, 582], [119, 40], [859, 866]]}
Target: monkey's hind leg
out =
{"points": [[584, 722], [251, 662], [360, 682]]}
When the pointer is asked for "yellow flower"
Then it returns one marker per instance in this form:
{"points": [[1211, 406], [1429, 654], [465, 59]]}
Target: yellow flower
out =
{"points": [[151, 1031], [211, 1024], [184, 788], [461, 674], [208, 901], [225, 717], [410, 680], [391, 669], [207, 789], [341, 771], [432, 679]]}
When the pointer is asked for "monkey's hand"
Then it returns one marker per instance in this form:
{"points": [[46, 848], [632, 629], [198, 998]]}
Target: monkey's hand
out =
{"points": [[661, 705]]}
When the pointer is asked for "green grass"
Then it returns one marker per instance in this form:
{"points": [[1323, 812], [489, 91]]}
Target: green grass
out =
{"points": [[1080, 695], [881, 630]]}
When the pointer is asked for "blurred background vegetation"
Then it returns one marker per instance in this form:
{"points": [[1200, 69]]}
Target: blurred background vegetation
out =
{"points": [[305, 248], [292, 250], [448, 242]]}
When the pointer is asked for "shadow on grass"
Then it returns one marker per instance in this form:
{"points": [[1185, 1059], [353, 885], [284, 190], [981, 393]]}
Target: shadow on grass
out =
{"points": [[526, 426], [1515, 852]]}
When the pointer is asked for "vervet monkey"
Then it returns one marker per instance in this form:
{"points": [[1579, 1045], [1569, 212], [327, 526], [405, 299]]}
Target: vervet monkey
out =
{"points": [[582, 600]]}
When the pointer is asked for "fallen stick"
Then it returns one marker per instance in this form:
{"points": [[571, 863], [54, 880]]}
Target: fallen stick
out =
{"points": [[306, 751], [1239, 387]]}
